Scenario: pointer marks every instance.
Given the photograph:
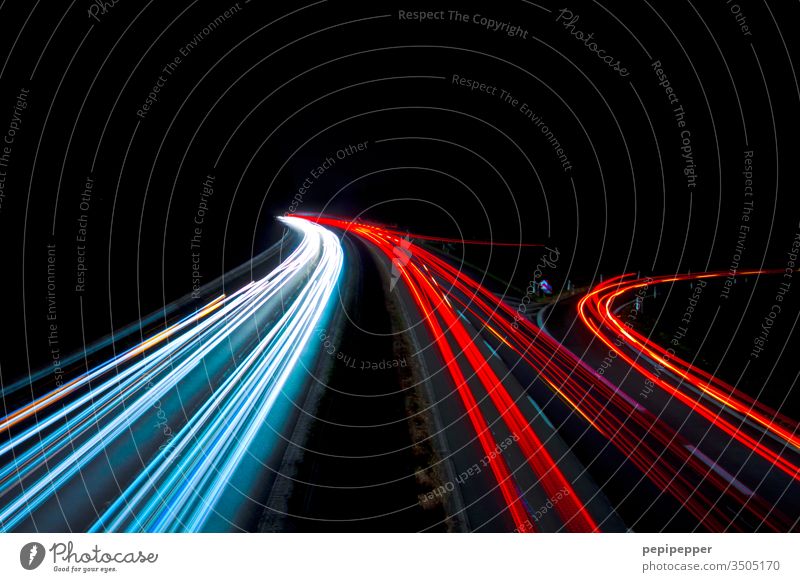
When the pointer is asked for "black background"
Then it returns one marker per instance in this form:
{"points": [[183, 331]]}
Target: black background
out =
{"points": [[277, 88]]}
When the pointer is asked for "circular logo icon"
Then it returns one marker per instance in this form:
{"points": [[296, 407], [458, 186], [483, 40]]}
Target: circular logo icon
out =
{"points": [[31, 555]]}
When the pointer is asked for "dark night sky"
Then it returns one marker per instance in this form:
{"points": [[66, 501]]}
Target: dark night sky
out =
{"points": [[259, 106]]}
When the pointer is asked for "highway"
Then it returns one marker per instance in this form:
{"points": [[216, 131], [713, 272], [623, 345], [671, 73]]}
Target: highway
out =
{"points": [[510, 464], [695, 455], [247, 412], [721, 469], [169, 435]]}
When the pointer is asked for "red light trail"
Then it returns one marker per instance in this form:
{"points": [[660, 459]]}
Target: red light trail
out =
{"points": [[596, 311], [435, 306], [662, 455]]}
